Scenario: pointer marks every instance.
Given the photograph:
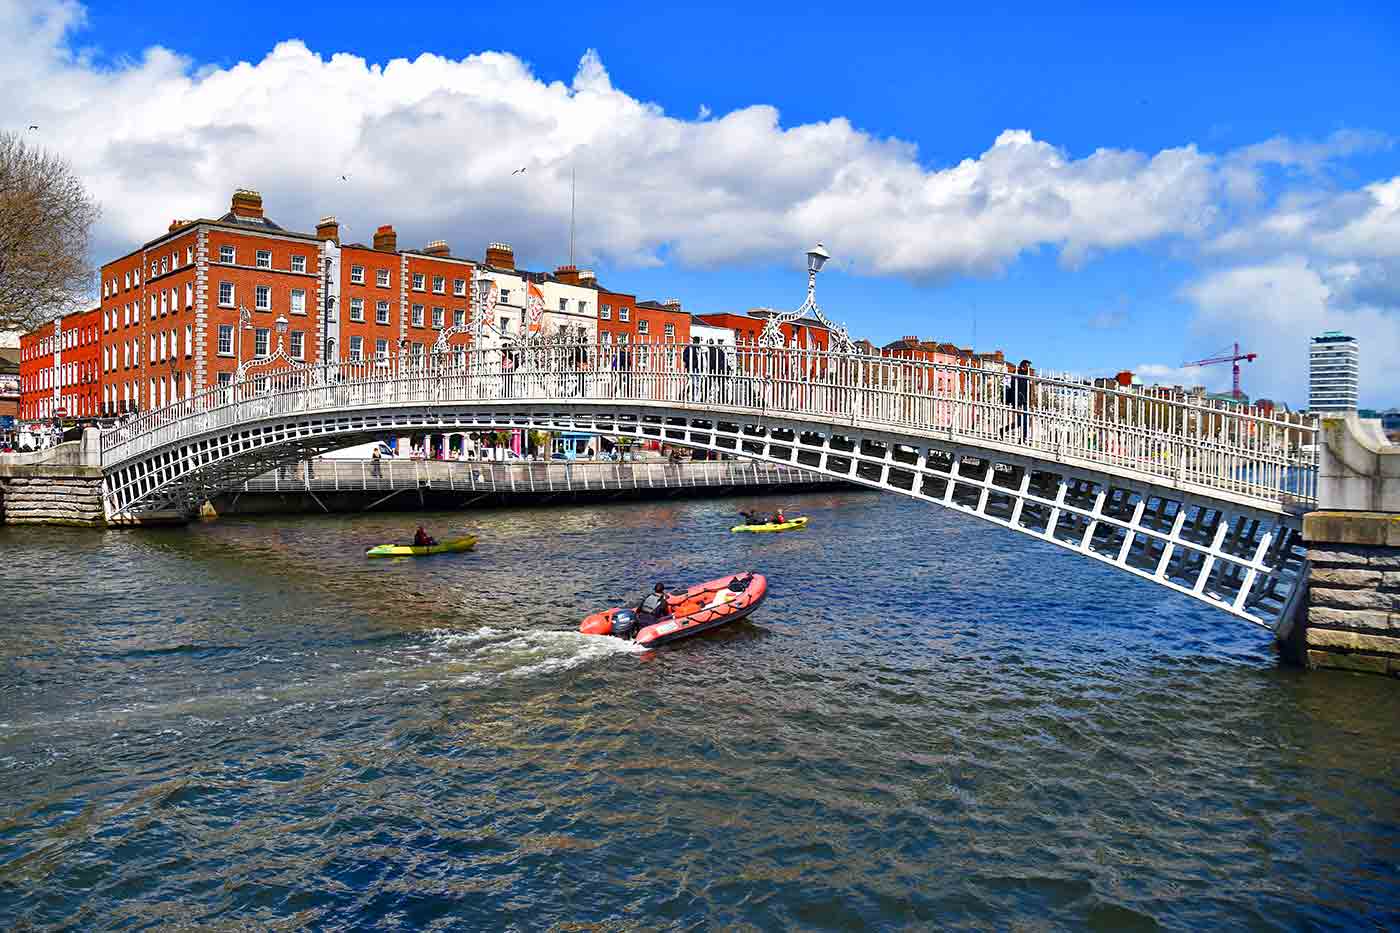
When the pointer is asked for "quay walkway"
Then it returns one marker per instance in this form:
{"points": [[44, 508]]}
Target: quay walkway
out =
{"points": [[356, 485]]}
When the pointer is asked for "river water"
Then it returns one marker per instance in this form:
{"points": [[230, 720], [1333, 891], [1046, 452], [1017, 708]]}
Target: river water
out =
{"points": [[930, 723]]}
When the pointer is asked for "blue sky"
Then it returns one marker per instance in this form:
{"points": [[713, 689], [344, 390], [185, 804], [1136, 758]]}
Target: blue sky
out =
{"points": [[1077, 78]]}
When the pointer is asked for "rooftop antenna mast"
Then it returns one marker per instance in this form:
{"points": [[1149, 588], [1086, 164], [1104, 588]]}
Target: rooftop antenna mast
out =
{"points": [[573, 203]]}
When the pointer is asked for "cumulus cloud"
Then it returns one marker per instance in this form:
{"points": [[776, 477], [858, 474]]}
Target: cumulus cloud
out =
{"points": [[430, 144]]}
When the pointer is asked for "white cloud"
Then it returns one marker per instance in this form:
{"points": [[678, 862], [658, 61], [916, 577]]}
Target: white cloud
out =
{"points": [[430, 144]]}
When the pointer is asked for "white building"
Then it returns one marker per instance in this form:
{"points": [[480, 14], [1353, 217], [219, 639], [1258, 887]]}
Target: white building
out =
{"points": [[1333, 381], [565, 308]]}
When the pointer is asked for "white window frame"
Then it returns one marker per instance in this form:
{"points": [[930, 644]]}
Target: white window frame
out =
{"points": [[381, 312], [227, 254], [624, 313], [381, 351], [298, 262], [262, 297], [296, 344], [642, 327], [357, 309], [416, 316], [605, 312], [262, 343], [459, 317], [419, 281], [357, 275], [459, 287], [439, 317], [232, 295], [439, 285], [357, 348], [298, 301], [262, 259], [670, 331], [381, 278]]}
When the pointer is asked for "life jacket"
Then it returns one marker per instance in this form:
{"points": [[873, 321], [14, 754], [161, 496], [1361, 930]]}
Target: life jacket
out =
{"points": [[653, 605]]}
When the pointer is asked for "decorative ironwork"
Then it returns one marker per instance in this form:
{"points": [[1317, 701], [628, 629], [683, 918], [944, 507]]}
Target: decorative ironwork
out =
{"points": [[772, 334], [278, 355]]}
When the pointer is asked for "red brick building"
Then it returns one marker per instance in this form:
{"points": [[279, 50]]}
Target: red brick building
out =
{"points": [[60, 368], [171, 308], [804, 332]]}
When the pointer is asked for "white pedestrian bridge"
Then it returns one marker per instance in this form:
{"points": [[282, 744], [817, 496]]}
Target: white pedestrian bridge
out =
{"points": [[1201, 497]]}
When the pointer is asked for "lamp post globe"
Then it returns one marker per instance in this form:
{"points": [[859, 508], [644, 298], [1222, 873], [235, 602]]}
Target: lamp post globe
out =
{"points": [[816, 258]]}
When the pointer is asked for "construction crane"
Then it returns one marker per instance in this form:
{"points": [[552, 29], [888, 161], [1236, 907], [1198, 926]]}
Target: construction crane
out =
{"points": [[1231, 358]]}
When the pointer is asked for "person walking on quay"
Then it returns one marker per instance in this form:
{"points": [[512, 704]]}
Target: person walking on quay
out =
{"points": [[375, 468]]}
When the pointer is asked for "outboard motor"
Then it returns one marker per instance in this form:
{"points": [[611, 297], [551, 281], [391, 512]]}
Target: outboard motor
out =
{"points": [[625, 624]]}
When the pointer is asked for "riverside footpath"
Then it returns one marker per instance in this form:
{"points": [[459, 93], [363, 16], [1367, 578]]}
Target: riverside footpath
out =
{"points": [[63, 485]]}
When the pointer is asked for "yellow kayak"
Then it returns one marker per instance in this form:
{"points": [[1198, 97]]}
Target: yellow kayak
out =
{"points": [[785, 526], [408, 550]]}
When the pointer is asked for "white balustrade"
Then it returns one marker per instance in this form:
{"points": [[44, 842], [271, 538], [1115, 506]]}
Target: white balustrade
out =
{"points": [[1265, 456]]}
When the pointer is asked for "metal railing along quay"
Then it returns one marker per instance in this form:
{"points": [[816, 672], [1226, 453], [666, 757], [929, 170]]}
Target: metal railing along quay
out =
{"points": [[524, 477]]}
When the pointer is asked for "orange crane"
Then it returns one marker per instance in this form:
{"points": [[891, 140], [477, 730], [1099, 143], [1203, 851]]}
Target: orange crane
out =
{"points": [[1232, 358]]}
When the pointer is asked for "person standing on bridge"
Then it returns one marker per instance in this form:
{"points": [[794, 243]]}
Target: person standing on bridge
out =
{"points": [[1018, 398], [507, 372], [375, 468]]}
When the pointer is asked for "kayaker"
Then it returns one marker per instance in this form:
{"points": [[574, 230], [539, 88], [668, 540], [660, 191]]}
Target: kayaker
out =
{"points": [[779, 518], [751, 517], [422, 539]]}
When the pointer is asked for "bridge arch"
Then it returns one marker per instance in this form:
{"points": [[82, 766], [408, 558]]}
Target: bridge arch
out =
{"points": [[1237, 556]]}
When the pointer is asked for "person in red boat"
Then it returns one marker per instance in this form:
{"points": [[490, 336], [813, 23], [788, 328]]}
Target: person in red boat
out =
{"points": [[655, 604]]}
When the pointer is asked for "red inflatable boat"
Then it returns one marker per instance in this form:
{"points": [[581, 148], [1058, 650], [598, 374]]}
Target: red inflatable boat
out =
{"points": [[702, 607]]}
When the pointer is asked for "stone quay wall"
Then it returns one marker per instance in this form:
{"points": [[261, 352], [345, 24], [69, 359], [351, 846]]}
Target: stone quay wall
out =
{"points": [[1353, 611], [51, 496]]}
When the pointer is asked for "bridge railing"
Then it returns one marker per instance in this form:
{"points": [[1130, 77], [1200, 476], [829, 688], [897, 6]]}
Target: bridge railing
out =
{"points": [[1246, 451]]}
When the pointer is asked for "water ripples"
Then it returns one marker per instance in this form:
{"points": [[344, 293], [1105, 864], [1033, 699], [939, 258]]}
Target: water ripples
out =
{"points": [[929, 723]]}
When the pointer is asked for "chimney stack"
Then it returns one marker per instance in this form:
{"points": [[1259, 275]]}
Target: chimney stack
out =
{"points": [[500, 256], [177, 224], [247, 203], [569, 275], [386, 240], [328, 228], [674, 304], [586, 275], [437, 248]]}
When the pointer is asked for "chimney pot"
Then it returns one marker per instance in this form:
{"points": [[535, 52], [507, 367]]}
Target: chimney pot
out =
{"points": [[437, 248], [385, 239], [567, 274], [328, 228], [500, 256], [246, 203]]}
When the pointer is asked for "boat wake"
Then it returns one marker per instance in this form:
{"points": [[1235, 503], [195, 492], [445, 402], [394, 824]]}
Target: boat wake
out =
{"points": [[490, 655]]}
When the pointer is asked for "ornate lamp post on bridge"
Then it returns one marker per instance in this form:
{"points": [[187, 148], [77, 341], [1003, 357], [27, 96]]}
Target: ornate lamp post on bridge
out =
{"points": [[772, 334]]}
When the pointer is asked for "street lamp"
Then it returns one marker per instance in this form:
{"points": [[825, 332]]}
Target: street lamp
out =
{"points": [[281, 324], [772, 335]]}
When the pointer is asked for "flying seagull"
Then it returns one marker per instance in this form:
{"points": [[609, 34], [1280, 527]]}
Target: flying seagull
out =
{"points": [[519, 171], [344, 177], [33, 126]]}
